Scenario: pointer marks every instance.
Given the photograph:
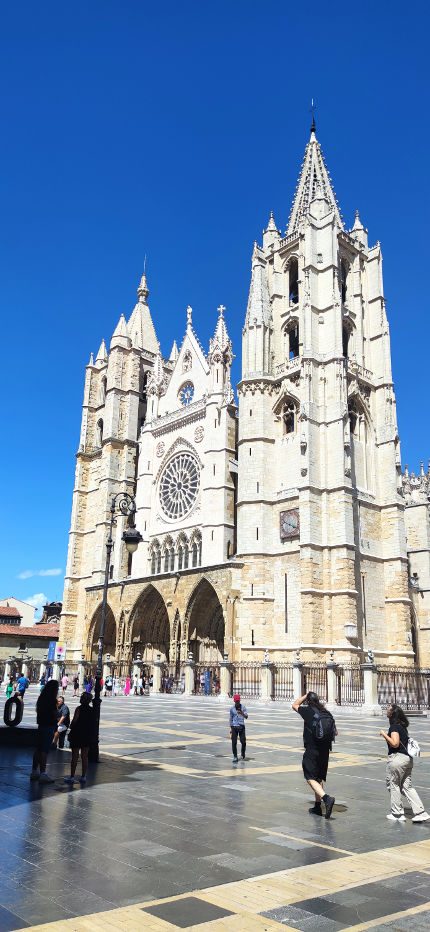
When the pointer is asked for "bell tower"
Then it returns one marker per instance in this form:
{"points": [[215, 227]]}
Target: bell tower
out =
{"points": [[320, 510]]}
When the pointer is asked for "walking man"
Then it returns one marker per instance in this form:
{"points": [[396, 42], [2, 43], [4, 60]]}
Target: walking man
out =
{"points": [[238, 714], [319, 732]]}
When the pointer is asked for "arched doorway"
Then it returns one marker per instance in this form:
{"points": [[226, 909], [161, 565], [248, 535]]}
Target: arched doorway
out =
{"points": [[109, 640], [150, 628], [205, 624]]}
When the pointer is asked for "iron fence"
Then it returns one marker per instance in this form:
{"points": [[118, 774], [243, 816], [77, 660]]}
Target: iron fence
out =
{"points": [[315, 679], [282, 681], [404, 686], [350, 684], [207, 680], [247, 679], [173, 678]]}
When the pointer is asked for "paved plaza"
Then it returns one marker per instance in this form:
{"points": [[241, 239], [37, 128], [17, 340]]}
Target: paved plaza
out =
{"points": [[169, 834]]}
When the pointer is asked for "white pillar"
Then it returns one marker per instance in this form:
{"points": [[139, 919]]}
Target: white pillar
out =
{"points": [[156, 677], [266, 675], [331, 684], [297, 679], [42, 669], [24, 668], [189, 677], [371, 704], [81, 675], [225, 678], [56, 672]]}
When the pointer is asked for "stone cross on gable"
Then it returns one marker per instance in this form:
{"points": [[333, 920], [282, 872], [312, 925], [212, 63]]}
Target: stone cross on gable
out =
{"points": [[221, 310]]}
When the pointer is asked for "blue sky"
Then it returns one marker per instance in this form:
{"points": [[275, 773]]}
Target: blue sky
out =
{"points": [[172, 131]]}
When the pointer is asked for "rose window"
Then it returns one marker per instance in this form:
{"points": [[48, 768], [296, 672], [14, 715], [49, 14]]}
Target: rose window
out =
{"points": [[186, 393], [179, 485]]}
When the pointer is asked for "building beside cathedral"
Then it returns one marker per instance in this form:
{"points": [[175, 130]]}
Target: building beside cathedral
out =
{"points": [[277, 524]]}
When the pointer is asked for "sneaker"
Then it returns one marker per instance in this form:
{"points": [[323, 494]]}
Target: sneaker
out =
{"points": [[82, 780], [35, 775], [421, 817], [329, 803], [235, 760], [316, 809], [45, 778], [69, 780], [396, 818]]}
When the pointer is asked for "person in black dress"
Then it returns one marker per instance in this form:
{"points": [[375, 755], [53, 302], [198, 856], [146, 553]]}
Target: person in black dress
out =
{"points": [[46, 712], [317, 750], [81, 736]]}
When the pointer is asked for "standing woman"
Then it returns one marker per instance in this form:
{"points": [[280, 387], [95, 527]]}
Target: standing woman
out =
{"points": [[319, 732], [127, 686], [46, 712], [238, 714], [81, 736], [399, 768]]}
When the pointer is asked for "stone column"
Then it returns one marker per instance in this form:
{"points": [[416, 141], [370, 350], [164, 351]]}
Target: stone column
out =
{"points": [[6, 672], [371, 704], [137, 663], [81, 673], [24, 668], [331, 683], [297, 678], [56, 672], [189, 676], [42, 669], [266, 674], [225, 678], [107, 666], [157, 667]]}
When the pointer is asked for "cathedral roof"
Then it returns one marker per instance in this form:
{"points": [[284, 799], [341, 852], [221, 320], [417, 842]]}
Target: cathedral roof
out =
{"points": [[314, 181], [259, 308], [140, 326]]}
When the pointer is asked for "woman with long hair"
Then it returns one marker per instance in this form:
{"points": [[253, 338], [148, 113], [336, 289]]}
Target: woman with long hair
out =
{"points": [[319, 731], [81, 736], [399, 768], [46, 715]]}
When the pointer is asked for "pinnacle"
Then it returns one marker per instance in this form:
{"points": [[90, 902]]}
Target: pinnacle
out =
{"points": [[102, 353], [143, 290], [174, 353], [314, 181]]}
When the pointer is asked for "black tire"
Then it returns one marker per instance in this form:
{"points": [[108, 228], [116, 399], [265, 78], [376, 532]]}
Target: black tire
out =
{"points": [[10, 721]]}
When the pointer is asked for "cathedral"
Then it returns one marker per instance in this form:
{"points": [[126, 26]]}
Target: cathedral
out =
{"points": [[274, 520]]}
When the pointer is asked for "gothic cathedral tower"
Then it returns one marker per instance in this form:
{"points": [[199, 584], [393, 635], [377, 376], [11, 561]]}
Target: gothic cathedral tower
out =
{"points": [[320, 513]]}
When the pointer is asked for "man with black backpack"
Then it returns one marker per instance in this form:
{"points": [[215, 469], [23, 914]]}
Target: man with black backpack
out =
{"points": [[319, 732]]}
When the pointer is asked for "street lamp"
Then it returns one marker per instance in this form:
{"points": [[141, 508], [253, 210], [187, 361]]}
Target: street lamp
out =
{"points": [[122, 504]]}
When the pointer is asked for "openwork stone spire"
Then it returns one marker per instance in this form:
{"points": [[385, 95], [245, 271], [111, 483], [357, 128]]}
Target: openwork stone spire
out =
{"points": [[314, 181]]}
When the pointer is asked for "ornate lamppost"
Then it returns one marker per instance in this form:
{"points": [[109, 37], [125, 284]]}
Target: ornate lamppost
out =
{"points": [[125, 505]]}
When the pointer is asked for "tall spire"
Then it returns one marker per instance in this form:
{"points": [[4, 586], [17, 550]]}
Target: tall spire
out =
{"points": [[102, 356], [314, 181], [140, 325]]}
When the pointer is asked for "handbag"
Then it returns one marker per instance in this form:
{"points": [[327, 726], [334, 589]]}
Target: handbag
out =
{"points": [[413, 749]]}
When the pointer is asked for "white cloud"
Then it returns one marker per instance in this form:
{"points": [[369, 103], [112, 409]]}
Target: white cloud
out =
{"points": [[28, 574], [38, 600]]}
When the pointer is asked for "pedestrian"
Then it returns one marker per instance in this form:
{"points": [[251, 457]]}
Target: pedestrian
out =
{"points": [[22, 684], [399, 768], [89, 685], [108, 686], [64, 683], [81, 736], [63, 723], [319, 732], [9, 688], [135, 683], [42, 682], [76, 685], [127, 686], [46, 715], [238, 714]]}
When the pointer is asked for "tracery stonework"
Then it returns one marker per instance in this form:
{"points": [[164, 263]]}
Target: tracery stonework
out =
{"points": [[277, 526]]}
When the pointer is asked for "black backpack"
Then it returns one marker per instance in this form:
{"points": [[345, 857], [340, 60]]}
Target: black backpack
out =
{"points": [[323, 726]]}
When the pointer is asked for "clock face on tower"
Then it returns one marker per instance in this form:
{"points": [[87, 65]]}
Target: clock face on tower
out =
{"points": [[290, 524]]}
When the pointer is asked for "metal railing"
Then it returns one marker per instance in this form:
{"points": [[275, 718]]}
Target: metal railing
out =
{"points": [[282, 681], [404, 686], [247, 679], [206, 679], [315, 679], [350, 684]]}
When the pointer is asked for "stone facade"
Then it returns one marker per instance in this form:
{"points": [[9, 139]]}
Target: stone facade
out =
{"points": [[417, 499], [279, 526]]}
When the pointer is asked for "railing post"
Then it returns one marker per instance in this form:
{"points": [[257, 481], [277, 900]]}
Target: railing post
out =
{"points": [[297, 676], [225, 678], [331, 683], [189, 675], [370, 675], [266, 679]]}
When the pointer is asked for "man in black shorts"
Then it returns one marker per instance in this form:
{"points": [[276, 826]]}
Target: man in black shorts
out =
{"points": [[319, 731]]}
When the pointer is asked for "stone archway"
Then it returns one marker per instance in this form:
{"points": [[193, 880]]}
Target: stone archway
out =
{"points": [[205, 624], [110, 634], [149, 626]]}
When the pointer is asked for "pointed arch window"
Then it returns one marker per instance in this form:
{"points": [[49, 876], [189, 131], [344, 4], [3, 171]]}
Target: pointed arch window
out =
{"points": [[293, 341], [103, 387], [344, 269], [194, 554], [99, 432], [180, 557], [293, 281], [156, 559], [186, 556], [346, 333]]}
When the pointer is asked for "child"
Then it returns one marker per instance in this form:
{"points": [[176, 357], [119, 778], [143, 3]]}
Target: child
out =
{"points": [[81, 735]]}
